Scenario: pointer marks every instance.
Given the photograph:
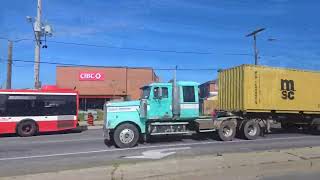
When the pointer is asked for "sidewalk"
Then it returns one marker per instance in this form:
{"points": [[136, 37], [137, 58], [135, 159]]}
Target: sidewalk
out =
{"points": [[253, 165], [97, 124]]}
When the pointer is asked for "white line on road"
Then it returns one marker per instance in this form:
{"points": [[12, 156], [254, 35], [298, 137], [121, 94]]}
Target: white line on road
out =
{"points": [[147, 147], [54, 141]]}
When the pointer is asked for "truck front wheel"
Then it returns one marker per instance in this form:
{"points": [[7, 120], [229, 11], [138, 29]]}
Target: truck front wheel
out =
{"points": [[227, 131], [126, 136]]}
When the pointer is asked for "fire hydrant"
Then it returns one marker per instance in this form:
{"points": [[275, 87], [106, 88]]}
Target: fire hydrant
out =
{"points": [[90, 119]]}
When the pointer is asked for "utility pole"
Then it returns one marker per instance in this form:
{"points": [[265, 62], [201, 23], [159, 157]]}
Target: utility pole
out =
{"points": [[254, 34], [175, 96], [9, 65], [37, 31]]}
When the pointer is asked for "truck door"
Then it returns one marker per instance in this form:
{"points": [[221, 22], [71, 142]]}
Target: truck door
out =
{"points": [[189, 100], [160, 103]]}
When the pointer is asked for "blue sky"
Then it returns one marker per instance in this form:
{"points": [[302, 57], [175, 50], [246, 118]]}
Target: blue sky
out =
{"points": [[218, 27]]}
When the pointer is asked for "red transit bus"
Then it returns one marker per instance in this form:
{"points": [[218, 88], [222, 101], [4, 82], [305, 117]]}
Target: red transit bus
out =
{"points": [[28, 112]]}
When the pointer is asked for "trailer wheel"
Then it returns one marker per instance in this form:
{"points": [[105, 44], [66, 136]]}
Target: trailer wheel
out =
{"points": [[126, 136], [251, 130], [27, 128], [227, 131]]}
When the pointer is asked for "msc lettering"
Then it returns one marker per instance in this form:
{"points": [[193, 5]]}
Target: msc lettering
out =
{"points": [[287, 89]]}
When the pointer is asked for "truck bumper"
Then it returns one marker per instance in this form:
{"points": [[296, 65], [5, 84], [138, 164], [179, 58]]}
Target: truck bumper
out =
{"points": [[106, 133]]}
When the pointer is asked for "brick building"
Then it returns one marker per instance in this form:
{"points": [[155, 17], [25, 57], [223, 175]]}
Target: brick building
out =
{"points": [[208, 88], [96, 85]]}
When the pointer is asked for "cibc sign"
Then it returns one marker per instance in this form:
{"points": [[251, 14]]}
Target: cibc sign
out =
{"points": [[91, 76]]}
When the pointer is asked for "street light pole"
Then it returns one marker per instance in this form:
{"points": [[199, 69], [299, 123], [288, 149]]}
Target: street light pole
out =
{"points": [[37, 31], [254, 34]]}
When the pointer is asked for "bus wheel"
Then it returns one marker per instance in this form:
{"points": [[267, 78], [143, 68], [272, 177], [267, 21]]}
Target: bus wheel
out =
{"points": [[227, 131], [27, 128], [126, 136], [251, 130]]}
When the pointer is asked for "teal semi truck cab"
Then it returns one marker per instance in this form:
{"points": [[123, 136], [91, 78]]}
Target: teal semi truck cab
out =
{"points": [[163, 109]]}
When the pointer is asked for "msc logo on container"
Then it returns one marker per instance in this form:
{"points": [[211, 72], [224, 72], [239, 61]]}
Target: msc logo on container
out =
{"points": [[287, 89]]}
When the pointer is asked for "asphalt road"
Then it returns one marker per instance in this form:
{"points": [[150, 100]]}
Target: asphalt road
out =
{"points": [[54, 152]]}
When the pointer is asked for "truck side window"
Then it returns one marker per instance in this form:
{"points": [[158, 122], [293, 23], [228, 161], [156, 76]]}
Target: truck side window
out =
{"points": [[156, 92], [188, 94], [164, 92]]}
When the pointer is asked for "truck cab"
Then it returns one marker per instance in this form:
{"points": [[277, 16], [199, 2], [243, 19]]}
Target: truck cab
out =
{"points": [[159, 100], [163, 108]]}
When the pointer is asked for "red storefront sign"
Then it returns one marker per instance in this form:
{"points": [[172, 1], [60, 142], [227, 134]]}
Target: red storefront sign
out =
{"points": [[91, 76]]}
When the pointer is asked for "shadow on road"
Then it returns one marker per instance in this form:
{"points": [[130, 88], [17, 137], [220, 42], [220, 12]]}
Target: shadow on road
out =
{"points": [[72, 131], [214, 135], [176, 138], [290, 131]]}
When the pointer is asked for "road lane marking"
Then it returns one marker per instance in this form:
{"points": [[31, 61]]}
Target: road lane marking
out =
{"points": [[54, 141], [157, 153], [149, 147]]}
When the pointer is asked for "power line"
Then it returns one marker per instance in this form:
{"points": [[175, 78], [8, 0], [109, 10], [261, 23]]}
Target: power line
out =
{"points": [[84, 65], [148, 50], [143, 49], [16, 40]]}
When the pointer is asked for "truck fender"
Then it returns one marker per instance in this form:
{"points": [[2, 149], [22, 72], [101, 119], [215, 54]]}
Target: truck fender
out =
{"points": [[217, 122], [261, 123], [130, 122]]}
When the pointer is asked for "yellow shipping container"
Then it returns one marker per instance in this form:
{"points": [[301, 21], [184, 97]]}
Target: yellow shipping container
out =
{"points": [[249, 88]]}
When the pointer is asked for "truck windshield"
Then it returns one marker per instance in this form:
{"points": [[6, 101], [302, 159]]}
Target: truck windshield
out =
{"points": [[145, 93]]}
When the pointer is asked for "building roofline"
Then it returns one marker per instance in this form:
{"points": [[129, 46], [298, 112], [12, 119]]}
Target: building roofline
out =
{"points": [[127, 67], [178, 82], [209, 82]]}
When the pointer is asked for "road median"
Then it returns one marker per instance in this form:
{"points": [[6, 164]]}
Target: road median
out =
{"points": [[251, 165]]}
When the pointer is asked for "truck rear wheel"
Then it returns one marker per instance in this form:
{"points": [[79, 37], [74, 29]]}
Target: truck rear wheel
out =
{"points": [[251, 130], [227, 131], [126, 136]]}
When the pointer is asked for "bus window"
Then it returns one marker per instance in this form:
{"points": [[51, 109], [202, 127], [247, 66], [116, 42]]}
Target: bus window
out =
{"points": [[58, 105], [3, 99]]}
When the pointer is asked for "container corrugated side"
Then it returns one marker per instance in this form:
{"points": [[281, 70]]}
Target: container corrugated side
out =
{"points": [[251, 88], [231, 84]]}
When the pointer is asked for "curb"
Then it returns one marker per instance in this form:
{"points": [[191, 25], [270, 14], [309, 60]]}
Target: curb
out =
{"points": [[94, 127]]}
